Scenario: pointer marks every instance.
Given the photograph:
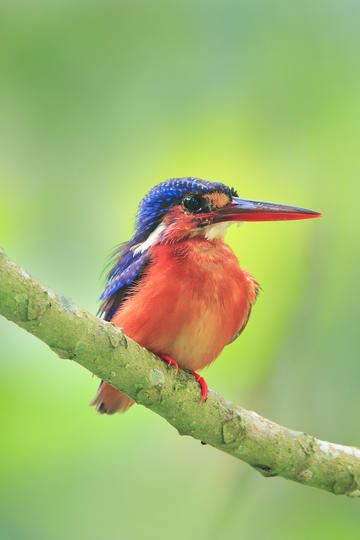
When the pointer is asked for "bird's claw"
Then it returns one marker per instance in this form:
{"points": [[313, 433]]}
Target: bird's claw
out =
{"points": [[204, 386], [170, 361]]}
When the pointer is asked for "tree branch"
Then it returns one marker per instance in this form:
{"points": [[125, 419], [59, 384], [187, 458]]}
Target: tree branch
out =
{"points": [[104, 350]]}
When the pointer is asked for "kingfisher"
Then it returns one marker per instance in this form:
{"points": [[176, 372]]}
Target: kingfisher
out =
{"points": [[176, 287]]}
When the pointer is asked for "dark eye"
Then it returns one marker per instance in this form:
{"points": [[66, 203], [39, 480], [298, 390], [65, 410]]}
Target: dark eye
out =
{"points": [[193, 203]]}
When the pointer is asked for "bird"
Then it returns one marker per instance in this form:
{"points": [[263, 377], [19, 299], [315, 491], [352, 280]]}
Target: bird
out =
{"points": [[176, 287]]}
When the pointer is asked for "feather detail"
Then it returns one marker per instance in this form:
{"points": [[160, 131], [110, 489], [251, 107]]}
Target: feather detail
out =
{"points": [[151, 240], [253, 291], [121, 279]]}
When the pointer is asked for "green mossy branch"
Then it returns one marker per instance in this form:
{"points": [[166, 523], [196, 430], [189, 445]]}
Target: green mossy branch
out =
{"points": [[104, 350]]}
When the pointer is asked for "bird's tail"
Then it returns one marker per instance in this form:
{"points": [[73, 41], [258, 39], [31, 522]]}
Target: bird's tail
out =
{"points": [[108, 400]]}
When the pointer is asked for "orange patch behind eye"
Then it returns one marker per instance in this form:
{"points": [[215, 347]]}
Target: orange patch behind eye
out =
{"points": [[218, 200]]}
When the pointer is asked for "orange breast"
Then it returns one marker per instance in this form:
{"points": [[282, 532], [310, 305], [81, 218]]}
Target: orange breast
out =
{"points": [[192, 300]]}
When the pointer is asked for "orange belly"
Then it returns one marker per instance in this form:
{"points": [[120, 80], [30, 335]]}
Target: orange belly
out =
{"points": [[192, 300]]}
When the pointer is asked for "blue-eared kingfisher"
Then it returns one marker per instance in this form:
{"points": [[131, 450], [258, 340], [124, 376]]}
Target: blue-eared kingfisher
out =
{"points": [[176, 287]]}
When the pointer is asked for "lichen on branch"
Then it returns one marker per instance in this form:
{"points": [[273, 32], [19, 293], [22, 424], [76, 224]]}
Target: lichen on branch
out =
{"points": [[103, 349]]}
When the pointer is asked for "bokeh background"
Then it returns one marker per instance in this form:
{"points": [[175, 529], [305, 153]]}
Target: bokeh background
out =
{"points": [[99, 101]]}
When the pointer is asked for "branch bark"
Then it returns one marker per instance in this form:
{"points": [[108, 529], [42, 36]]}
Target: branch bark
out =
{"points": [[103, 349]]}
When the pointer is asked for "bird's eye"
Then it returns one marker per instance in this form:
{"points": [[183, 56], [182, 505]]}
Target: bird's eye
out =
{"points": [[193, 203]]}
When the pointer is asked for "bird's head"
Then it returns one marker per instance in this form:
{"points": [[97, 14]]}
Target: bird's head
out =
{"points": [[184, 207]]}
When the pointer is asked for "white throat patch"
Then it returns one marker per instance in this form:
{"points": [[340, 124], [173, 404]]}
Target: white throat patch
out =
{"points": [[151, 240], [218, 230]]}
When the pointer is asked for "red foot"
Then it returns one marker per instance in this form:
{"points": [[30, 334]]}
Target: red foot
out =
{"points": [[204, 386], [169, 361]]}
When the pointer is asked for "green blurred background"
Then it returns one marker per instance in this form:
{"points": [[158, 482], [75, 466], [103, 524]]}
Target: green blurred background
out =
{"points": [[99, 101]]}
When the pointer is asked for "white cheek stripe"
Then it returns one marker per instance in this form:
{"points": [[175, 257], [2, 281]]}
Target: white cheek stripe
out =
{"points": [[151, 239]]}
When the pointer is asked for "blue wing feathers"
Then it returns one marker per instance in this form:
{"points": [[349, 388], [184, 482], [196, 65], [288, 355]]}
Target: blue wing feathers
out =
{"points": [[121, 279], [125, 272]]}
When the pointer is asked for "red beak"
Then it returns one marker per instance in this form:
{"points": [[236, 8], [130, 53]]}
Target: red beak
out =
{"points": [[247, 210]]}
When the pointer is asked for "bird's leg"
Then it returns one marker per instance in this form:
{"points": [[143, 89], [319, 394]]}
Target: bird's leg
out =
{"points": [[169, 361], [204, 386]]}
